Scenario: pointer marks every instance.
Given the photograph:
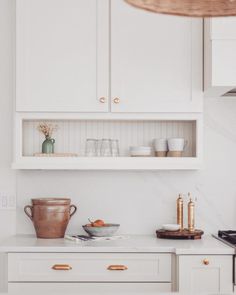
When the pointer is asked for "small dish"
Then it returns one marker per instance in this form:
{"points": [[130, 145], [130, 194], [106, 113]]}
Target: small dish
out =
{"points": [[171, 227]]}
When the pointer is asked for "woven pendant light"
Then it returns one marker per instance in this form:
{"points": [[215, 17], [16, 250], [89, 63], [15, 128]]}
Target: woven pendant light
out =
{"points": [[193, 8]]}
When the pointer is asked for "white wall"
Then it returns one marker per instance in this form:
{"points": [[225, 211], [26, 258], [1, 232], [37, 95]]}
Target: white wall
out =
{"points": [[7, 176], [141, 201]]}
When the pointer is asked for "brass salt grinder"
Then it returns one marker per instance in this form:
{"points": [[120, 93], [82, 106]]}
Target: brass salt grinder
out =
{"points": [[180, 210], [191, 217]]}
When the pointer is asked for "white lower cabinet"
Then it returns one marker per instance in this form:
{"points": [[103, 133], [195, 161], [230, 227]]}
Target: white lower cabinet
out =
{"points": [[87, 267], [123, 273], [205, 274], [90, 272], [90, 288]]}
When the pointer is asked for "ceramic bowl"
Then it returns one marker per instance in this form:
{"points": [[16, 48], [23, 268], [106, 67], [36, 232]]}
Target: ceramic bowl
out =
{"points": [[141, 151], [104, 231], [171, 227]]}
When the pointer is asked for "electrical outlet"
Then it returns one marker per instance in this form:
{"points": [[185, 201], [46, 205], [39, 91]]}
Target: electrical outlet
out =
{"points": [[7, 201]]}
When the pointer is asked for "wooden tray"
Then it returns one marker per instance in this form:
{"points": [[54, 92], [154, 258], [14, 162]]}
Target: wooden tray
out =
{"points": [[56, 155], [181, 235]]}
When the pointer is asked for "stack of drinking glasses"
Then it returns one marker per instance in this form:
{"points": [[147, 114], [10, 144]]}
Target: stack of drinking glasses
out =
{"points": [[102, 147]]}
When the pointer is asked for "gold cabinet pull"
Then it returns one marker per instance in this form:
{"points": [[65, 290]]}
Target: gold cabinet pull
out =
{"points": [[102, 99], [206, 262], [116, 100], [61, 267], [117, 267]]}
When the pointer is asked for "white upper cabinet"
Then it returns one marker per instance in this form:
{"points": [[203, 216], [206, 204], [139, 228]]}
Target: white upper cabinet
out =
{"points": [[156, 61], [220, 61], [75, 56], [62, 55], [223, 28]]}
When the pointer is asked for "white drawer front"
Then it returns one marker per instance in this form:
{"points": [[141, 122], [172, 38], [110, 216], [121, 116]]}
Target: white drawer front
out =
{"points": [[89, 288], [93, 267]]}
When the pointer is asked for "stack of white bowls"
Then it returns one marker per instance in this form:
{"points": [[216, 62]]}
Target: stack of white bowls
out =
{"points": [[140, 151]]}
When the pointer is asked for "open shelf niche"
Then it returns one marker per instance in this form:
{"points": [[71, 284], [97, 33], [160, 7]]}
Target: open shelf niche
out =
{"points": [[72, 134]]}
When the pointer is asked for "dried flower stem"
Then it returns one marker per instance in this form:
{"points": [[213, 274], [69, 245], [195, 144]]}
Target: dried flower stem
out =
{"points": [[47, 129]]}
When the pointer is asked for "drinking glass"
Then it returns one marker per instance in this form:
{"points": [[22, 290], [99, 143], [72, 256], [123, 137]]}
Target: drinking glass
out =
{"points": [[91, 147], [99, 145], [106, 148], [115, 148]]}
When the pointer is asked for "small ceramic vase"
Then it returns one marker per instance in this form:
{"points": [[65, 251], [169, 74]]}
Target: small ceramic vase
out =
{"points": [[48, 146]]}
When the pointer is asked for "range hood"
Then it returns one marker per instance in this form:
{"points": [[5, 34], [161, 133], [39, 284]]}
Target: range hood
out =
{"points": [[220, 57], [230, 93]]}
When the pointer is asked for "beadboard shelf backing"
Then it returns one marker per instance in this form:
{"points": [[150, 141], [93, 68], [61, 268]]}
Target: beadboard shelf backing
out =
{"points": [[72, 134], [130, 130]]}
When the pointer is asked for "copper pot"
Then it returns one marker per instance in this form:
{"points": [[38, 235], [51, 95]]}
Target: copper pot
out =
{"points": [[50, 216]]}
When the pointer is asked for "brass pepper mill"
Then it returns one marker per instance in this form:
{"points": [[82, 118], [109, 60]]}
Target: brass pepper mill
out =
{"points": [[180, 208], [191, 209]]}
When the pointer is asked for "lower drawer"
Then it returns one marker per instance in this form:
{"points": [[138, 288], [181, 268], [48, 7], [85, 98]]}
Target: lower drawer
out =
{"points": [[89, 267], [89, 288]]}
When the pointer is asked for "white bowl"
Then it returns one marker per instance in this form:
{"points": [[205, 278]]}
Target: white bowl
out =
{"points": [[140, 151], [171, 227]]}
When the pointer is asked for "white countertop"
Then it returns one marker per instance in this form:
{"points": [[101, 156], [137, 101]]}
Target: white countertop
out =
{"points": [[116, 293], [29, 243]]}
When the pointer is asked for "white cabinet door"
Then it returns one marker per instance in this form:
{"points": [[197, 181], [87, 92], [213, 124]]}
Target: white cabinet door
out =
{"points": [[205, 274], [223, 28], [156, 61], [62, 55]]}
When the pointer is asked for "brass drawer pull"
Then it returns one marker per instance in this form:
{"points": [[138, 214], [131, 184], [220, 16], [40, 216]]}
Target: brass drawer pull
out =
{"points": [[206, 262], [117, 267], [61, 267]]}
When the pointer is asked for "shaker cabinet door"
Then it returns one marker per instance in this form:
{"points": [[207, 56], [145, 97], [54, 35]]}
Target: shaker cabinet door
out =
{"points": [[156, 61], [62, 55], [205, 274], [223, 28]]}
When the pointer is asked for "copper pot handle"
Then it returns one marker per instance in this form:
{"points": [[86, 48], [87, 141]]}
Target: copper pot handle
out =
{"points": [[27, 213], [75, 209]]}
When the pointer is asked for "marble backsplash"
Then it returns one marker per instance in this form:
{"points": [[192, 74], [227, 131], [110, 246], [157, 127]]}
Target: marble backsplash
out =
{"points": [[142, 201]]}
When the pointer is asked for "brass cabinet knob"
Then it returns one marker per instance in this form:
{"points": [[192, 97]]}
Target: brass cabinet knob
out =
{"points": [[102, 99], [117, 267], [206, 262], [116, 100], [61, 267]]}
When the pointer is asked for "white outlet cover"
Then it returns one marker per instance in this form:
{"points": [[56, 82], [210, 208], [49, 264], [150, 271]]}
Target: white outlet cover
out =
{"points": [[7, 201]]}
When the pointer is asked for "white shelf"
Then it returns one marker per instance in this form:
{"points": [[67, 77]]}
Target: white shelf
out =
{"points": [[129, 129], [99, 163]]}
